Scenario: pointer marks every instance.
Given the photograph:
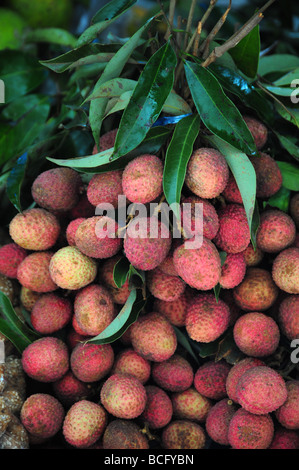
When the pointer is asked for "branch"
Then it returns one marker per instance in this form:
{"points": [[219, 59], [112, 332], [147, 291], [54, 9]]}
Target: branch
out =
{"points": [[189, 22], [170, 18], [205, 45]]}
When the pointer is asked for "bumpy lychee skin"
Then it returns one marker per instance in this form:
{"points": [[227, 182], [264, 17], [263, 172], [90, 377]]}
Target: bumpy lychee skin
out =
{"points": [[28, 298], [123, 396], [183, 434], [257, 292], [46, 359], [206, 318], [268, 175], [190, 405], [84, 424], [106, 269], [199, 267], [104, 188], [294, 209], [94, 309], [164, 287], [256, 334], [276, 232], [143, 250], [72, 229], [233, 270], [261, 390], [285, 270], [233, 235], [249, 431], [288, 413], [51, 313], [288, 317], [218, 421], [252, 256], [11, 256], [57, 189], [71, 269], [175, 311], [34, 272], [82, 209], [153, 337], [142, 179], [6, 286], [158, 409], [107, 141], [210, 379], [258, 130], [68, 390], [207, 173], [96, 237], [285, 439], [236, 373], [210, 222], [34, 229], [130, 362], [174, 375], [42, 415], [231, 191], [121, 434], [91, 362]]}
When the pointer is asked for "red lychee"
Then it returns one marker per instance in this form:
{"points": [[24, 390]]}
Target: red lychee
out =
{"points": [[11, 256], [233, 235], [158, 409], [249, 431], [174, 375], [42, 415], [91, 362], [210, 379]]}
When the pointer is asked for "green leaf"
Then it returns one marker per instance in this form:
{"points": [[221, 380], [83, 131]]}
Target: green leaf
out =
{"points": [[288, 145], [280, 91], [217, 111], [290, 175], [289, 114], [277, 63], [281, 199], [12, 327], [127, 315], [20, 72], [244, 174], [15, 180], [153, 87], [133, 273], [175, 105], [184, 341], [246, 53], [177, 156], [52, 36], [121, 271], [112, 88], [288, 78], [228, 350]]}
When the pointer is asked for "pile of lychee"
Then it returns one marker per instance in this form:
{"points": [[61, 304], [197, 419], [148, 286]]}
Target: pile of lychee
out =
{"points": [[145, 389]]}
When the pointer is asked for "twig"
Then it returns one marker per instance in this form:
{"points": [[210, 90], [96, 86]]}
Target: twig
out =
{"points": [[171, 14], [205, 45], [189, 22], [179, 34]]}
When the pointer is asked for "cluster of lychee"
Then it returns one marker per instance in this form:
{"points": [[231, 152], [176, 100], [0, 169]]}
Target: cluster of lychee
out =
{"points": [[145, 388]]}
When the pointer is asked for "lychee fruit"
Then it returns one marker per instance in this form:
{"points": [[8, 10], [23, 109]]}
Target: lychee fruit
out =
{"points": [[147, 242], [253, 256], [71, 269], [258, 130], [28, 298], [73, 338], [233, 235], [218, 420], [42, 415], [94, 309], [174, 375], [153, 337], [288, 413], [210, 379], [96, 237], [163, 286], [51, 313], [207, 173], [174, 311], [130, 362], [6, 287], [106, 270], [210, 222], [46, 359], [167, 266], [236, 373], [107, 141], [123, 396], [276, 231], [190, 405], [68, 390], [83, 209], [84, 424], [158, 409], [268, 175], [121, 434], [288, 317], [104, 188], [233, 270], [183, 434], [34, 272], [11, 256], [72, 229], [198, 267], [231, 192], [142, 179], [249, 431], [285, 270], [57, 189], [256, 334], [294, 209], [34, 229], [206, 318], [91, 362], [285, 439], [261, 390], [257, 292]]}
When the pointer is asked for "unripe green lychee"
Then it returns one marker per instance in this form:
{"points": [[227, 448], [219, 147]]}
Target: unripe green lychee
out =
{"points": [[42, 415]]}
